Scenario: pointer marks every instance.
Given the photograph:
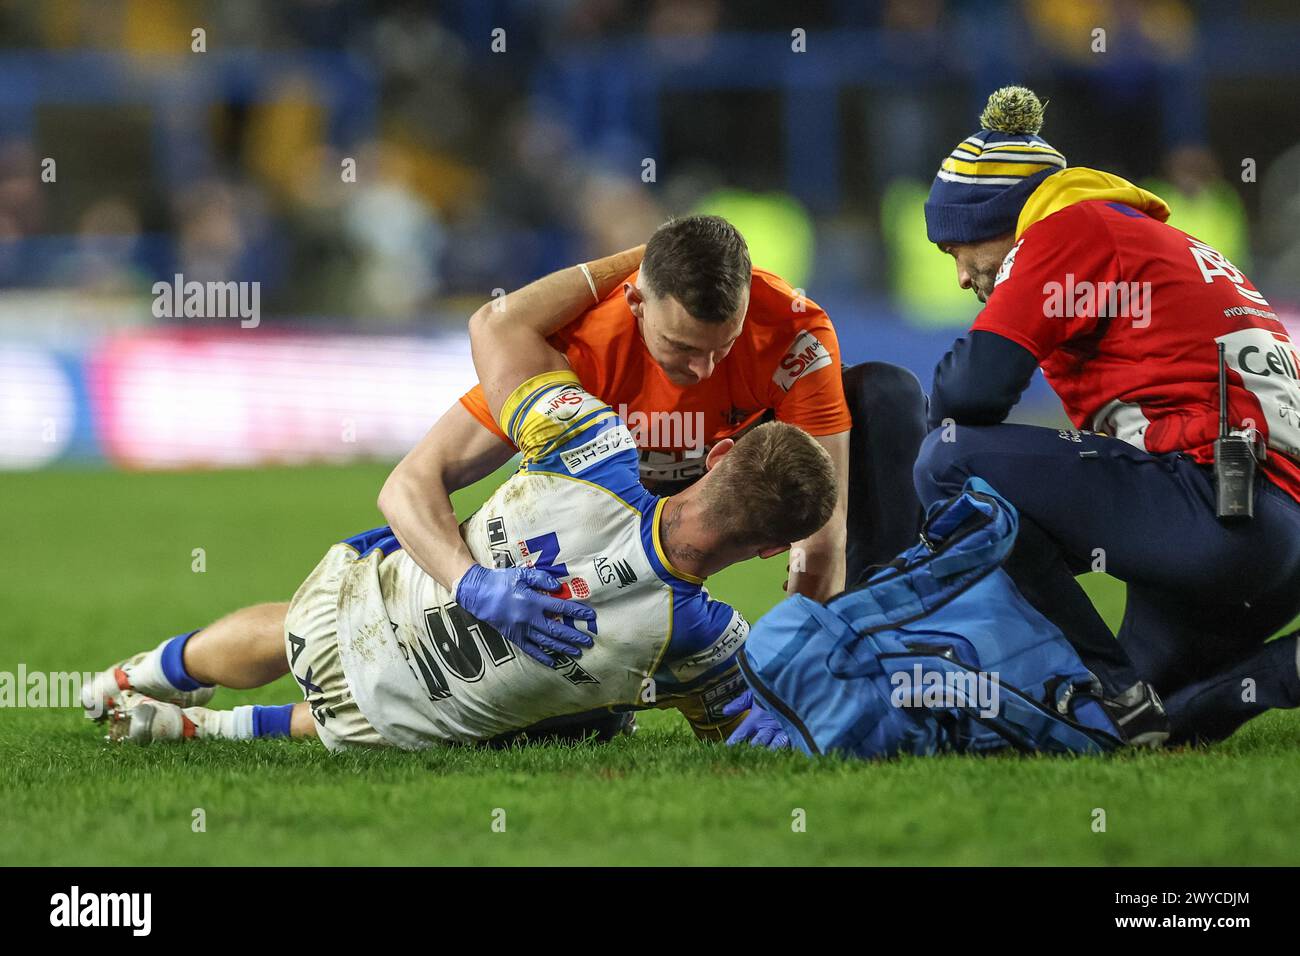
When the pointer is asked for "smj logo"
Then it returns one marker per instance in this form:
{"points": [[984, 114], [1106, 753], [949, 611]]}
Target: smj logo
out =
{"points": [[564, 404], [806, 354], [680, 431], [208, 300], [945, 689], [39, 689], [103, 909]]}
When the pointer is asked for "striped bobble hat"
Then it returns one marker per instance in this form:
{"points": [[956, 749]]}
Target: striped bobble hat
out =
{"points": [[982, 185]]}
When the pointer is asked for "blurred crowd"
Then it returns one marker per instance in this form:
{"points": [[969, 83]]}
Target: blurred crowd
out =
{"points": [[383, 161]]}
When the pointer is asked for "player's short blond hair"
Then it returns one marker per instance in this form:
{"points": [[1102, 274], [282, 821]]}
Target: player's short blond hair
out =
{"points": [[775, 487]]}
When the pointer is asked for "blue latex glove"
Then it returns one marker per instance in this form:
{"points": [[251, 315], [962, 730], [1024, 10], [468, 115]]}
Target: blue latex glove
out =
{"points": [[759, 727], [513, 600]]}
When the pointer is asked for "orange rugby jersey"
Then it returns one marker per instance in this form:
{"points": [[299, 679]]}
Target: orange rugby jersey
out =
{"points": [[786, 364]]}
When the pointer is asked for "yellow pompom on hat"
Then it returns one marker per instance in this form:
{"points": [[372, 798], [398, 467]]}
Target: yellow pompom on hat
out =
{"points": [[984, 182]]}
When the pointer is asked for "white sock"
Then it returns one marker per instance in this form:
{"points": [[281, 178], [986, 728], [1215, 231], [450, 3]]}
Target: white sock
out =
{"points": [[235, 724], [147, 677]]}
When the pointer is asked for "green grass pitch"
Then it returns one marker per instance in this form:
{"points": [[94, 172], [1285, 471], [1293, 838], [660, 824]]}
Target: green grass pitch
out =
{"points": [[98, 564]]}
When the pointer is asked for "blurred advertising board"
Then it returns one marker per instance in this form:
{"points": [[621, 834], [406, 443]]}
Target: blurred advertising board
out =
{"points": [[169, 398]]}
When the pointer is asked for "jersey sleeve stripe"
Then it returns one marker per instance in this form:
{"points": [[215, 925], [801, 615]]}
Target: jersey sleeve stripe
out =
{"points": [[582, 425], [523, 398]]}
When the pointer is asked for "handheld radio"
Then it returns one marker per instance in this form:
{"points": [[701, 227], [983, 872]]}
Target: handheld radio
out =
{"points": [[1234, 460]]}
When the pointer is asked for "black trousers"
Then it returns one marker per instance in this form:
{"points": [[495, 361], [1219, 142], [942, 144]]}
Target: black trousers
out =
{"points": [[888, 407]]}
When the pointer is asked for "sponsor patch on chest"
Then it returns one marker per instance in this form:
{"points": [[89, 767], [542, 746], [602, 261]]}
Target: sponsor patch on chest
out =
{"points": [[806, 354]]}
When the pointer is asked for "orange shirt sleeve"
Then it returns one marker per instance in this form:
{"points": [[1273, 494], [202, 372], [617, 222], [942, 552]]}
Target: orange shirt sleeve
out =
{"points": [[569, 341], [476, 404], [809, 389]]}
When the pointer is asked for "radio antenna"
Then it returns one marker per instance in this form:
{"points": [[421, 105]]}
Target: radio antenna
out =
{"points": [[1223, 391]]}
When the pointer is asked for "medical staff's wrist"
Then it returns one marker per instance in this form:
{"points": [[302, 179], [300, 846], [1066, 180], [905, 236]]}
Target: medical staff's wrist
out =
{"points": [[471, 574], [591, 283], [609, 272]]}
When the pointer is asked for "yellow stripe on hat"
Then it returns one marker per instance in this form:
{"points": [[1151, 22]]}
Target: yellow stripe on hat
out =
{"points": [[1007, 156], [1020, 147], [1019, 170], [967, 148]]}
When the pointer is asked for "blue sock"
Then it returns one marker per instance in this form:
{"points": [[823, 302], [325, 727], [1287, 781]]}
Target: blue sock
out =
{"points": [[173, 666], [272, 721]]}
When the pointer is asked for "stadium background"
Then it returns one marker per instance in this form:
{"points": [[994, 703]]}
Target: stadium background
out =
{"points": [[478, 170], [155, 474]]}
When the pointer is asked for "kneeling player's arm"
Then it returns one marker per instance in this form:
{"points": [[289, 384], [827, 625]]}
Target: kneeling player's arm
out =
{"points": [[817, 562], [508, 335], [980, 380]]}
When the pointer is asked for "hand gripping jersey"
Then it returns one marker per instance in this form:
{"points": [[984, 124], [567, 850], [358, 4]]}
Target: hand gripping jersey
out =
{"points": [[786, 364], [422, 670], [1124, 314]]}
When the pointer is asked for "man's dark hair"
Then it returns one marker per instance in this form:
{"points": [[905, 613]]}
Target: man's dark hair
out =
{"points": [[702, 262]]}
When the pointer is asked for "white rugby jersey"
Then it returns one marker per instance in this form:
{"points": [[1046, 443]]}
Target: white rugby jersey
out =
{"points": [[422, 670]]}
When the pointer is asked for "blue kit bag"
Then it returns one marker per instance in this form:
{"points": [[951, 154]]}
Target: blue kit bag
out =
{"points": [[935, 652]]}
